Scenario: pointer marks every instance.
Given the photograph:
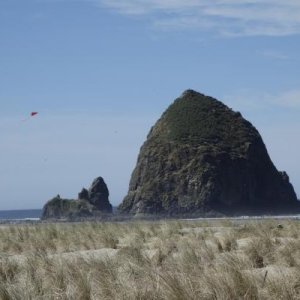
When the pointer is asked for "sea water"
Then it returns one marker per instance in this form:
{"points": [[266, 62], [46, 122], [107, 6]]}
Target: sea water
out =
{"points": [[19, 215]]}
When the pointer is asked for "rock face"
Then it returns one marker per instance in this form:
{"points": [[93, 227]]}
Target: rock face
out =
{"points": [[58, 208], [200, 158], [98, 195], [83, 195], [90, 203]]}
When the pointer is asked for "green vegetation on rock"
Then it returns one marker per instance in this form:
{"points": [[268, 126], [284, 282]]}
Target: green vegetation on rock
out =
{"points": [[200, 118], [64, 208]]}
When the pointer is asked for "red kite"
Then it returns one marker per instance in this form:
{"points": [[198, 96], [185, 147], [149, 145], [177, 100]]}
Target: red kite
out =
{"points": [[32, 114]]}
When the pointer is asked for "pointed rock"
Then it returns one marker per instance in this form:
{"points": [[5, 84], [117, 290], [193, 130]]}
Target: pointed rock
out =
{"points": [[98, 195], [84, 194]]}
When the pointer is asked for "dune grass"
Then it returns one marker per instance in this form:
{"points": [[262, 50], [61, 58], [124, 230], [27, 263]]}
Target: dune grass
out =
{"points": [[151, 260]]}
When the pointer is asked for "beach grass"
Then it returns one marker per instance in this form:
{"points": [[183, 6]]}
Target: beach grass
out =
{"points": [[218, 259]]}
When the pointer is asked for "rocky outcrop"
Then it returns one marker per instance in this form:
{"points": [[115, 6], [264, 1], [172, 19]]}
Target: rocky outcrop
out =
{"points": [[98, 195], [58, 208], [201, 157], [92, 202], [84, 194]]}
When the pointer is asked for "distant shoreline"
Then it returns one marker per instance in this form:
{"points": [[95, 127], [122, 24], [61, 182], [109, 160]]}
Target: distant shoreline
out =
{"points": [[20, 214], [38, 220]]}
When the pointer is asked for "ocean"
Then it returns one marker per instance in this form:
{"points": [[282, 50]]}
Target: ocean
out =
{"points": [[33, 215], [25, 214]]}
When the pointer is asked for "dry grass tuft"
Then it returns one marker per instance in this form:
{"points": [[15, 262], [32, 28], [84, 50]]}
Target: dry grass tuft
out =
{"points": [[151, 260]]}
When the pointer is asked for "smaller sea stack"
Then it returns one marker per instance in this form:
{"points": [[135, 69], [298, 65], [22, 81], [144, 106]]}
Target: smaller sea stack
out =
{"points": [[91, 202]]}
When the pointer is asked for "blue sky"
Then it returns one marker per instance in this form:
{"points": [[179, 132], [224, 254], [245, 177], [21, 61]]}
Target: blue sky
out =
{"points": [[101, 72]]}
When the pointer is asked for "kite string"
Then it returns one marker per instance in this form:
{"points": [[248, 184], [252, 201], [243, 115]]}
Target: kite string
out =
{"points": [[24, 120], [32, 114]]}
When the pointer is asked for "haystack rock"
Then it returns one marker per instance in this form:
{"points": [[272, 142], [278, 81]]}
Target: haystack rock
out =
{"points": [[202, 158]]}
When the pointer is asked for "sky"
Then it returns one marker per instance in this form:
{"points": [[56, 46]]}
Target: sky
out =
{"points": [[101, 72]]}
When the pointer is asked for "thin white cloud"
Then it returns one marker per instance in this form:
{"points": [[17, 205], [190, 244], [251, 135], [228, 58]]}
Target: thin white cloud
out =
{"points": [[273, 54], [224, 17], [288, 99], [247, 100]]}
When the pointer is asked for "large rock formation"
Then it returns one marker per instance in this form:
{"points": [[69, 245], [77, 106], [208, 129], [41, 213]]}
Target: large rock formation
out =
{"points": [[201, 157], [90, 203]]}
